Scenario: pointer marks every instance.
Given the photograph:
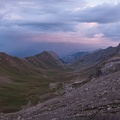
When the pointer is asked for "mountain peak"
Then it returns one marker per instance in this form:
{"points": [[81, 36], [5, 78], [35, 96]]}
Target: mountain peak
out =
{"points": [[46, 59], [47, 53], [2, 53], [53, 54], [118, 46]]}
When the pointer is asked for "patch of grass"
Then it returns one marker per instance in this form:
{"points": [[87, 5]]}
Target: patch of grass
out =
{"points": [[24, 88]]}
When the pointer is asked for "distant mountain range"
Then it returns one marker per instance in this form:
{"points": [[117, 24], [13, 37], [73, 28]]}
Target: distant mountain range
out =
{"points": [[44, 60], [94, 58], [84, 85], [70, 58], [106, 60]]}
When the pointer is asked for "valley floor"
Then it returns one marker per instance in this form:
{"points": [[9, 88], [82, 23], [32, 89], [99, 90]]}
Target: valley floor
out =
{"points": [[99, 99]]}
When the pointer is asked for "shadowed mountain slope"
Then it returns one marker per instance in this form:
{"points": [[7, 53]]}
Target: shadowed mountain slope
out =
{"points": [[46, 60], [23, 81], [92, 59], [9, 64]]}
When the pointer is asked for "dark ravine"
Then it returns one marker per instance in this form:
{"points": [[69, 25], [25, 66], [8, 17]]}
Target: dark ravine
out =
{"points": [[86, 89]]}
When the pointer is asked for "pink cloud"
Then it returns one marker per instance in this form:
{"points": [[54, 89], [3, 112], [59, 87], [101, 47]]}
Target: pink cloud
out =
{"points": [[71, 37]]}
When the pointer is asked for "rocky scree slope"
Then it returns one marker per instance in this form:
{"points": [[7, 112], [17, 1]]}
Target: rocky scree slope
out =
{"points": [[99, 99]]}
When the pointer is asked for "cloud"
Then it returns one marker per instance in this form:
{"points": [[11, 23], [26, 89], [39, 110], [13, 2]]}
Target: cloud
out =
{"points": [[99, 35], [48, 15], [27, 23], [111, 31], [49, 27], [104, 13]]}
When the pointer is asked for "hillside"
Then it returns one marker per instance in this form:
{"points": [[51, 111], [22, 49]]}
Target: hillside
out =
{"points": [[92, 59], [70, 58], [41, 88], [46, 60], [22, 81], [98, 99], [10, 64]]}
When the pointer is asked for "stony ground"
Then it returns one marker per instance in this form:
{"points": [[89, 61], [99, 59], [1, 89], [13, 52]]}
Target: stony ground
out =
{"points": [[98, 99]]}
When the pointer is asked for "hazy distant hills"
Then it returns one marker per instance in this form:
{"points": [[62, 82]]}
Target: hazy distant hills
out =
{"points": [[105, 60], [81, 86], [94, 58], [50, 60], [70, 58]]}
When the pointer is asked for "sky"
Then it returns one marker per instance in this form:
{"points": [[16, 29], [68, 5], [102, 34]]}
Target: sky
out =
{"points": [[28, 27]]}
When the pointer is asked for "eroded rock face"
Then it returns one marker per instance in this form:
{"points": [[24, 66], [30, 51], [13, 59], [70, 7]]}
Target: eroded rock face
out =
{"points": [[112, 65]]}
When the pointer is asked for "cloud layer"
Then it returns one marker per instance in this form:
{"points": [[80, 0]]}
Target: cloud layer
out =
{"points": [[26, 23]]}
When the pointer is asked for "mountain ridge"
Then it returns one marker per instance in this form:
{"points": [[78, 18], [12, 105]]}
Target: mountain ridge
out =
{"points": [[40, 86], [46, 57], [15, 62], [70, 58], [96, 57], [23, 81]]}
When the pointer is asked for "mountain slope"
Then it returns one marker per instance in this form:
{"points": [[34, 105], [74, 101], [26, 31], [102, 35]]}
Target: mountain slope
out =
{"points": [[95, 58], [99, 99], [9, 64], [70, 58], [46, 60], [90, 93], [22, 82]]}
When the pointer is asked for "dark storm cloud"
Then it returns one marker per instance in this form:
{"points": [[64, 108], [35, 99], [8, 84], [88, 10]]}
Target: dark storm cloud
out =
{"points": [[111, 31], [40, 15], [49, 15], [105, 13], [48, 26]]}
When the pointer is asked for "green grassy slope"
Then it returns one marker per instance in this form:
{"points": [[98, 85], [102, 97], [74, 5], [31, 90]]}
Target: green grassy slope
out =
{"points": [[23, 82], [46, 60]]}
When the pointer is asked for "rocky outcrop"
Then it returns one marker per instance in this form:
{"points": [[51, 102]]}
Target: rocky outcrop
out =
{"points": [[110, 66]]}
